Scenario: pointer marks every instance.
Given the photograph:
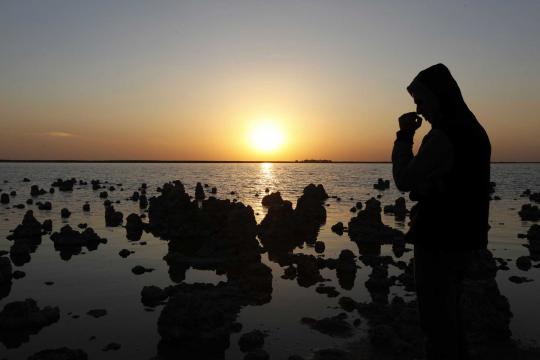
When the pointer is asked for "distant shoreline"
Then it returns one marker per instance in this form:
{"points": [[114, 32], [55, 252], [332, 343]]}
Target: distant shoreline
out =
{"points": [[227, 162]]}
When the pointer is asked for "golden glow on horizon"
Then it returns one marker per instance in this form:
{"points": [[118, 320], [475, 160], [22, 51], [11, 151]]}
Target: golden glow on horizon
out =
{"points": [[266, 136]]}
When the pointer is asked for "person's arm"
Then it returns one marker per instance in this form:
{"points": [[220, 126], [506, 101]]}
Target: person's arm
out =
{"points": [[434, 157]]}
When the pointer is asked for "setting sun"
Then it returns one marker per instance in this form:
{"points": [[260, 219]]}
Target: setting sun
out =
{"points": [[266, 136]]}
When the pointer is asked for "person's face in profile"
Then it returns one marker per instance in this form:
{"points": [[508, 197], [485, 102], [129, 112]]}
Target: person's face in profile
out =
{"points": [[427, 104]]}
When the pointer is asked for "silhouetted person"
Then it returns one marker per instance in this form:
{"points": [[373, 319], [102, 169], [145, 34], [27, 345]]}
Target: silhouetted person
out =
{"points": [[449, 177]]}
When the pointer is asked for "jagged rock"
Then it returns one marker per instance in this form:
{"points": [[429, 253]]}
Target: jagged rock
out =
{"points": [[103, 195], [111, 347], [47, 225], [125, 253], [59, 354], [367, 226], [330, 291], [338, 228], [97, 313], [335, 326], [26, 238], [139, 270], [143, 202], [519, 279], [289, 273], [64, 185], [5, 272], [398, 209], [307, 270], [96, 184], [220, 230], [134, 227], [112, 217], [199, 192], [36, 191], [251, 341], [70, 242], [86, 207], [20, 319], [382, 184], [319, 247], [523, 263], [44, 205], [153, 295], [529, 212], [273, 199], [65, 213]]}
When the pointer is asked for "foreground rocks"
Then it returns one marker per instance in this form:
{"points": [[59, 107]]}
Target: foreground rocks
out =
{"points": [[20, 319]]}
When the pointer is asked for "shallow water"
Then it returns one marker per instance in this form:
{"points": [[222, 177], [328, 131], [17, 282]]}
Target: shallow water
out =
{"points": [[102, 279]]}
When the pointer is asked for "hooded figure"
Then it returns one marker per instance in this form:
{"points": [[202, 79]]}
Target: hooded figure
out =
{"points": [[449, 179]]}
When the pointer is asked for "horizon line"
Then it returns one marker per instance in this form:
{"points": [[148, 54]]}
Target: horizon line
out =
{"points": [[232, 161]]}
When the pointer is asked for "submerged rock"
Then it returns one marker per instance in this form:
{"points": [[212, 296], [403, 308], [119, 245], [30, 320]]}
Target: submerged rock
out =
{"points": [[335, 326]]}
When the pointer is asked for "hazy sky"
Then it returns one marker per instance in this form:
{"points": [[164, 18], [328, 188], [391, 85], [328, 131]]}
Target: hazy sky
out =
{"points": [[189, 79]]}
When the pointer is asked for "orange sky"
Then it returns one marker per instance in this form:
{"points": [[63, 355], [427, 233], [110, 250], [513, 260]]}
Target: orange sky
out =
{"points": [[188, 81]]}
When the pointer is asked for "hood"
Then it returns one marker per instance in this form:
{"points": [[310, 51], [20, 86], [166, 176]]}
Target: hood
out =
{"points": [[439, 81]]}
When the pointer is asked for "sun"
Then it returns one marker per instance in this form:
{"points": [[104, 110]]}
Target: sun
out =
{"points": [[266, 137]]}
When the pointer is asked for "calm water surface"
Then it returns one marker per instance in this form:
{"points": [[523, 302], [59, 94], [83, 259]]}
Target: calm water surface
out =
{"points": [[102, 279]]}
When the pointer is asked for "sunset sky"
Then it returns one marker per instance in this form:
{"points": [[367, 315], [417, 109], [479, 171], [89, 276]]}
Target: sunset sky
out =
{"points": [[201, 80]]}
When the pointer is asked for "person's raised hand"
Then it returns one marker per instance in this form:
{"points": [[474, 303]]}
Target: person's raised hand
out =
{"points": [[410, 121]]}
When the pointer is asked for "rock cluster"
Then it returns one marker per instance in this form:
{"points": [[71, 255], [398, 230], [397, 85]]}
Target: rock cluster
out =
{"points": [[70, 242], [112, 217], [398, 209], [218, 231], [367, 227], [381, 184], [20, 319], [26, 238], [529, 212], [64, 185], [283, 228], [36, 191]]}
